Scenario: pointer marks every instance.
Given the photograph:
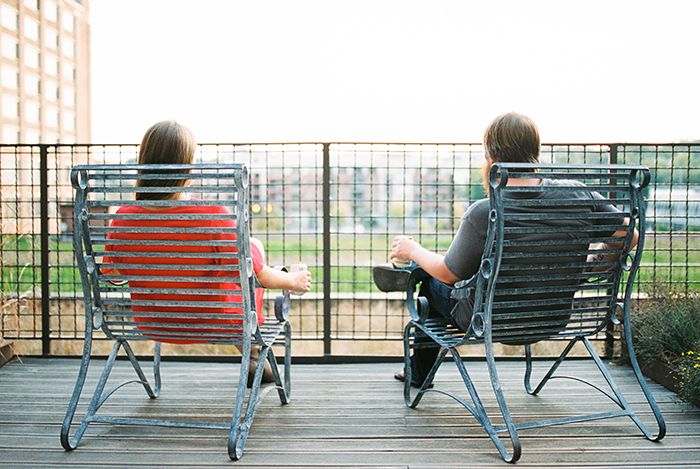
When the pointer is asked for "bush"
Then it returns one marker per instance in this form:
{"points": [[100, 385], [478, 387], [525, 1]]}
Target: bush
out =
{"points": [[689, 366], [666, 328]]}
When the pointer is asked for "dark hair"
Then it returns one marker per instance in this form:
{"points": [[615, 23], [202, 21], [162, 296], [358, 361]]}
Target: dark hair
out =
{"points": [[166, 142], [512, 138]]}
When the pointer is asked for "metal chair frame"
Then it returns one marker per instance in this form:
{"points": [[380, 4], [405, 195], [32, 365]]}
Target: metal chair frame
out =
{"points": [[99, 191], [500, 315]]}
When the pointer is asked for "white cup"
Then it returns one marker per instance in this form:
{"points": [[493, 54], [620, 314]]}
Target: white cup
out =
{"points": [[297, 267], [400, 263]]}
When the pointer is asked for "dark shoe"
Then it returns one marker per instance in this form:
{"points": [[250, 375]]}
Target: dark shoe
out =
{"points": [[414, 384], [268, 376], [389, 279]]}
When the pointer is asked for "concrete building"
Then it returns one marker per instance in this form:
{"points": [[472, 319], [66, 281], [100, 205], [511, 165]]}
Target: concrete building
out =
{"points": [[44, 71]]}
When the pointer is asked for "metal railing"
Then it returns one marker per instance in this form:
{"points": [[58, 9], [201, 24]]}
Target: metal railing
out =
{"points": [[334, 206]]}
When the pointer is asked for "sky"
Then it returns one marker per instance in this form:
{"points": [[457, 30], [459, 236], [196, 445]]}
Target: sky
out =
{"points": [[595, 71]]}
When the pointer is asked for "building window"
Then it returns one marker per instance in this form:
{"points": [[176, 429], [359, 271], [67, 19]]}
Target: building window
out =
{"points": [[32, 56], [32, 84], [10, 47], [51, 11], [68, 21], [33, 4], [51, 116], [51, 90], [31, 28], [68, 96], [68, 47], [10, 77], [32, 112], [68, 121], [10, 18], [10, 107], [52, 65], [51, 137], [51, 40], [10, 134], [69, 73], [32, 136]]}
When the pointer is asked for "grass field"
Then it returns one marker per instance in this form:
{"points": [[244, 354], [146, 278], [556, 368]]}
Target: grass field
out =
{"points": [[667, 258]]}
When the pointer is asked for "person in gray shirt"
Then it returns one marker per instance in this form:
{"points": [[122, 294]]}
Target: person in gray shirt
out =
{"points": [[510, 137]]}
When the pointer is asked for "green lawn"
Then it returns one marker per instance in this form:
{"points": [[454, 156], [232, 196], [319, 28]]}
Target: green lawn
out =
{"points": [[666, 258]]}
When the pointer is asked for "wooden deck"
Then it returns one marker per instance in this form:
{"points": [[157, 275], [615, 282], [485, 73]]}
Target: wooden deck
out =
{"points": [[340, 416]]}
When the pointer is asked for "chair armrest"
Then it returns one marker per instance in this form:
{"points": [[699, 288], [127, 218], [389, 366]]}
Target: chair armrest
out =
{"points": [[461, 289], [282, 301], [418, 307], [282, 306]]}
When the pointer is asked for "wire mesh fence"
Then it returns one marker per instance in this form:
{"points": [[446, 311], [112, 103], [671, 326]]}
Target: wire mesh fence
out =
{"points": [[335, 207]]}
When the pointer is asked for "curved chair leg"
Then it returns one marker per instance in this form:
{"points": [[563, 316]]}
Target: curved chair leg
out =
{"points": [[156, 369], [239, 430], [505, 412], [98, 398], [152, 393], [407, 363], [549, 374], [408, 378], [66, 441], [235, 446], [284, 388], [645, 389], [475, 407]]}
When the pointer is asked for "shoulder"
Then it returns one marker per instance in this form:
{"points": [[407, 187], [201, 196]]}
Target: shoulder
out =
{"points": [[478, 209], [476, 217], [566, 188], [563, 183]]}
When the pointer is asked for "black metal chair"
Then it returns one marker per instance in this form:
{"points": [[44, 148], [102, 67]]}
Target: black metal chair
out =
{"points": [[172, 270], [537, 283]]}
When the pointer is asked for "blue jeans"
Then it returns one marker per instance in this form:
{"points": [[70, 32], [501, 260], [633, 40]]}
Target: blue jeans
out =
{"points": [[441, 305]]}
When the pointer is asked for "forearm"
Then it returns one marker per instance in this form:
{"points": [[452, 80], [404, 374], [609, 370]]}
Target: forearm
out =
{"points": [[274, 279], [434, 265], [600, 257]]}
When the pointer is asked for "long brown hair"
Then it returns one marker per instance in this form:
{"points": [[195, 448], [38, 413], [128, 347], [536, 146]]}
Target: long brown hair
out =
{"points": [[166, 142]]}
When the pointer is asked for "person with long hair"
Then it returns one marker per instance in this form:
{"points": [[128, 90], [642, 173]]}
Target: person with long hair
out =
{"points": [[169, 142]]}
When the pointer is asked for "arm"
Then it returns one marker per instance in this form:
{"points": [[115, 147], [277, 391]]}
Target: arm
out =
{"points": [[612, 257], [281, 280], [432, 263]]}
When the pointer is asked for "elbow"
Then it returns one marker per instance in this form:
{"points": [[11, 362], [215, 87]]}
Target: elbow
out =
{"points": [[635, 239], [447, 277]]}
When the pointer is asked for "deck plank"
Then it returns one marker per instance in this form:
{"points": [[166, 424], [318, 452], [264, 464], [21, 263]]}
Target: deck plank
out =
{"points": [[340, 416]]}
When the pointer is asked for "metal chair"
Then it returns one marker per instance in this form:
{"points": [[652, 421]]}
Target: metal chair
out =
{"points": [[535, 283], [171, 270]]}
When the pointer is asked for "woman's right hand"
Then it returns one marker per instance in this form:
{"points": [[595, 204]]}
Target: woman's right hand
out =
{"points": [[300, 281]]}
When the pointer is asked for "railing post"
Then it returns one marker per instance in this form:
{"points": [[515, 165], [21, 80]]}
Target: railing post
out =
{"points": [[44, 237], [610, 328], [326, 249], [613, 153]]}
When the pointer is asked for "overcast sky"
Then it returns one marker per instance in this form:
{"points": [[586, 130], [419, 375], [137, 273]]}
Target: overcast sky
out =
{"points": [[396, 71]]}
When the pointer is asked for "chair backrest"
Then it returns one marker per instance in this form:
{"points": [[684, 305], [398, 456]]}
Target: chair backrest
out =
{"points": [[173, 269], [535, 282]]}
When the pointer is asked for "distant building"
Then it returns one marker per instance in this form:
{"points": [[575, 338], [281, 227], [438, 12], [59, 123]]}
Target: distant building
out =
{"points": [[44, 71]]}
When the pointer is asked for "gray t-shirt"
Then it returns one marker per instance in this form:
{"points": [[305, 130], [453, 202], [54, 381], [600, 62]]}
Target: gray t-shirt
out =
{"points": [[464, 254]]}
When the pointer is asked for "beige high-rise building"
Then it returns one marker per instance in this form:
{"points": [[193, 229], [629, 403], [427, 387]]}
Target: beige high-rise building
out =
{"points": [[44, 71]]}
